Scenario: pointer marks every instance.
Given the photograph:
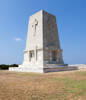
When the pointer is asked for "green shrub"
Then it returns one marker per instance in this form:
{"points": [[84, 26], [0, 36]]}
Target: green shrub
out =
{"points": [[6, 67]]}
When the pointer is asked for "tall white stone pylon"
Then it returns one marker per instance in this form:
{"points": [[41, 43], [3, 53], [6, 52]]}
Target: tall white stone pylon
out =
{"points": [[43, 52]]}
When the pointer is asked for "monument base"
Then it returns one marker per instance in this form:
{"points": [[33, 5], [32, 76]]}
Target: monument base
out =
{"points": [[43, 70], [60, 68]]}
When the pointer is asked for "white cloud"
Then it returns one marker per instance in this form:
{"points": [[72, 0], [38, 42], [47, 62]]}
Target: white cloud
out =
{"points": [[17, 39]]}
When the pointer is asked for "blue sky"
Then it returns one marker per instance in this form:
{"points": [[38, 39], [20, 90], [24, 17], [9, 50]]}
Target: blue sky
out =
{"points": [[71, 20]]}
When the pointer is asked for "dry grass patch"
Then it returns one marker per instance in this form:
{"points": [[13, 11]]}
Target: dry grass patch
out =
{"points": [[50, 86]]}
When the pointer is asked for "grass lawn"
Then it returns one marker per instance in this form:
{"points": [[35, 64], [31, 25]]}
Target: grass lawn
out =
{"points": [[50, 86]]}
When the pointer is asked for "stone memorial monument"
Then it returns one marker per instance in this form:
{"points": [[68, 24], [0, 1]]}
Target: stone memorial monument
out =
{"points": [[43, 52]]}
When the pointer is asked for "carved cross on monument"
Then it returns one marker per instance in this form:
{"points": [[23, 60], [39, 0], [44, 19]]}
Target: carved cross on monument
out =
{"points": [[35, 23]]}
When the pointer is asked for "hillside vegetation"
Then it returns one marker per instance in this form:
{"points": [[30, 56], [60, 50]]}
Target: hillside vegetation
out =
{"points": [[6, 67]]}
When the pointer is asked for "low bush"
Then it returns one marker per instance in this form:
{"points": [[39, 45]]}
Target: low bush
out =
{"points": [[6, 67]]}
